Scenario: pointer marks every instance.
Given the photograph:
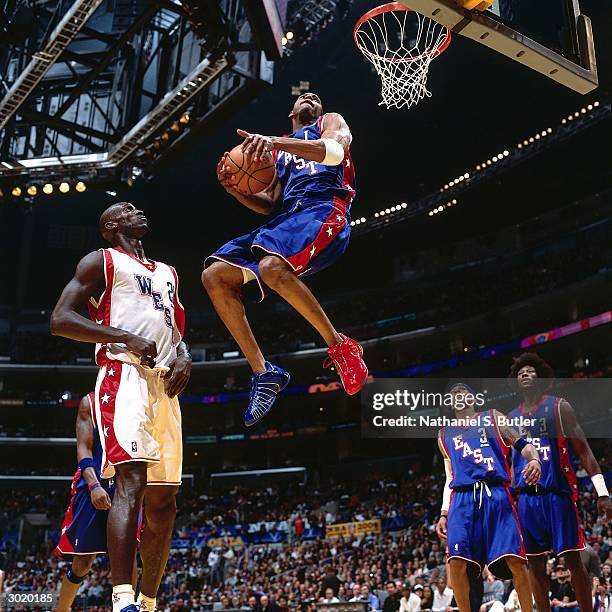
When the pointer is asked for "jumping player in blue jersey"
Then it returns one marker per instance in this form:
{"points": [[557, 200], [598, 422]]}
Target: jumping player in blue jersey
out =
{"points": [[478, 518], [315, 182], [548, 512]]}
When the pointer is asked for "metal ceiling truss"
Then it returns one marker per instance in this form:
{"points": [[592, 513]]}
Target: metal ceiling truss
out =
{"points": [[111, 91]]}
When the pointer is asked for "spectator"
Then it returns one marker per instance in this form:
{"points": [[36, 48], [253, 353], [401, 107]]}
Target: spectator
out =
{"points": [[392, 601], [411, 600], [267, 605], [330, 581], [493, 593], [442, 596], [562, 596], [329, 598], [427, 598], [369, 597]]}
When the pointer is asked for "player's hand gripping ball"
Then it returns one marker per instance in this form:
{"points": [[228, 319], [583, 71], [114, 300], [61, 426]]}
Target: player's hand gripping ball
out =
{"points": [[238, 171]]}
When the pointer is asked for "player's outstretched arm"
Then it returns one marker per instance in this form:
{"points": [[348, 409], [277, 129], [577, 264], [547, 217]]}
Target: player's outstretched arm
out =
{"points": [[67, 321], [329, 149], [262, 203], [510, 437], [572, 430], [84, 440]]}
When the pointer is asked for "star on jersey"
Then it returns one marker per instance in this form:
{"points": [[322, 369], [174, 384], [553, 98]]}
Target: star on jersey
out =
{"points": [[312, 251], [329, 231], [105, 398], [111, 372], [348, 162], [99, 321], [105, 429], [339, 217], [64, 530]]}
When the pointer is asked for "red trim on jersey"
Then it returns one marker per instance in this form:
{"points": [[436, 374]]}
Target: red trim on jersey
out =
{"points": [[320, 123], [563, 451], [581, 542], [518, 524], [150, 265], [502, 445], [109, 387], [102, 312], [336, 221], [64, 546], [179, 310]]}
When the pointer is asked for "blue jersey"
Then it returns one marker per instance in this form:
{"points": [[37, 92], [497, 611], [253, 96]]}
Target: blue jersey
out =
{"points": [[546, 434], [477, 453], [304, 179]]}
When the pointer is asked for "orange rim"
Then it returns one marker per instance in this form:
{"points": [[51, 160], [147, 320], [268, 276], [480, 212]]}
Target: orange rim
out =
{"points": [[391, 7]]}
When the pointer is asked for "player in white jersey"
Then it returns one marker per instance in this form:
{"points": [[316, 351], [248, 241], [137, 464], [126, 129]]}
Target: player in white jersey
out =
{"points": [[137, 323]]}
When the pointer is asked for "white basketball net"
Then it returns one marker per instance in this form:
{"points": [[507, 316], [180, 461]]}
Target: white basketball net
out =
{"points": [[401, 44]]}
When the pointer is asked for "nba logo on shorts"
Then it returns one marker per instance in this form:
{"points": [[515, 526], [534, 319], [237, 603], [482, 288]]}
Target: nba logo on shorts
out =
{"points": [[134, 447]]}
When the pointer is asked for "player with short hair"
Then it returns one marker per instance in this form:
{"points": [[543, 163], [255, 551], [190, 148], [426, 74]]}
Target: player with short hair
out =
{"points": [[137, 323], [548, 512], [478, 518], [315, 182]]}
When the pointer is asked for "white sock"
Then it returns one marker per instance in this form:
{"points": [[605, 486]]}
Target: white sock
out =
{"points": [[146, 603], [123, 596]]}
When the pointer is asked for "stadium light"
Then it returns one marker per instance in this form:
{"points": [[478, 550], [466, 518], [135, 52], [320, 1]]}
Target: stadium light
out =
{"points": [[289, 35], [80, 187], [16, 191], [32, 190], [64, 187], [47, 188]]}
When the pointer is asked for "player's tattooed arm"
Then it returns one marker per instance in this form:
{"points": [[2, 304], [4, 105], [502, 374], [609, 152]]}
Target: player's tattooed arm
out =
{"points": [[334, 127], [67, 320], [573, 431], [263, 203], [533, 470], [84, 441]]}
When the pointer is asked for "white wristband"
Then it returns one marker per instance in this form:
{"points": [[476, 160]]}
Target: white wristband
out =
{"points": [[334, 152], [599, 484]]}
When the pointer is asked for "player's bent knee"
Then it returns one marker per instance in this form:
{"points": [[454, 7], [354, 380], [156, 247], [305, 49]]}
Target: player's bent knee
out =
{"points": [[273, 269], [220, 274], [81, 564]]}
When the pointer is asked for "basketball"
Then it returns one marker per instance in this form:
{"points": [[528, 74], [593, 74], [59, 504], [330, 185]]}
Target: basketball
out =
{"points": [[250, 177]]}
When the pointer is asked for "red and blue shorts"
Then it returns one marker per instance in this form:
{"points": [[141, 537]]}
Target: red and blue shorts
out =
{"points": [[550, 523], [483, 528], [310, 236]]}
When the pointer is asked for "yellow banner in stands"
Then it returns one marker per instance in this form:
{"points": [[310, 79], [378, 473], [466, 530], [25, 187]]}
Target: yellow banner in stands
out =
{"points": [[347, 529]]}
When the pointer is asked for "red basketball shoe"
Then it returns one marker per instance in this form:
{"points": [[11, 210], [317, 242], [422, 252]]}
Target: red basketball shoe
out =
{"points": [[346, 356]]}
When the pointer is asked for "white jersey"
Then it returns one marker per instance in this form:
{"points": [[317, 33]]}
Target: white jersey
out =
{"points": [[141, 298]]}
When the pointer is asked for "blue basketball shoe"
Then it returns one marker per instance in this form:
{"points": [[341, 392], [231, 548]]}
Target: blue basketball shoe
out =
{"points": [[264, 389]]}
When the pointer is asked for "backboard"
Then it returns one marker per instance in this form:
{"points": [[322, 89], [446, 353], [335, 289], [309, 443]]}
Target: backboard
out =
{"points": [[549, 36]]}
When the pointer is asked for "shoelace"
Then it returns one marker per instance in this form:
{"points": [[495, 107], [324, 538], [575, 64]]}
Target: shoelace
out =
{"points": [[480, 486]]}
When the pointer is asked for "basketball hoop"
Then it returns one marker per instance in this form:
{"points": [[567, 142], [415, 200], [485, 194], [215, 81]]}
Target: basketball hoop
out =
{"points": [[401, 44]]}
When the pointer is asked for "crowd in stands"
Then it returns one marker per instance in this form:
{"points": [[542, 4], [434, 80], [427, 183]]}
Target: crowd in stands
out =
{"points": [[395, 570]]}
